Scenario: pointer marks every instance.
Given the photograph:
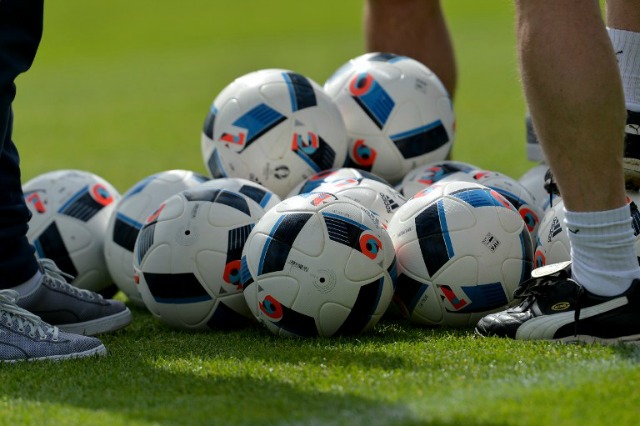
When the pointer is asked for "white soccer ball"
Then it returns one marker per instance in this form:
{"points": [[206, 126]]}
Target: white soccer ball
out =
{"points": [[274, 127], [380, 198], [318, 265], [510, 189], [462, 249], [133, 209], [424, 176], [397, 112], [552, 242], [258, 193], [187, 259], [71, 209], [317, 179]]}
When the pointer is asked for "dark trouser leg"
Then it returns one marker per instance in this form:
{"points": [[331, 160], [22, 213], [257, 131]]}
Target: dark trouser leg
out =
{"points": [[20, 32]]}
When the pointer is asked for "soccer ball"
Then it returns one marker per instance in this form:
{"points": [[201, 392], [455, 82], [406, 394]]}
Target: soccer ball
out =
{"points": [[509, 188], [380, 198], [274, 127], [258, 193], [424, 176], [71, 209], [552, 242], [318, 265], [533, 180], [187, 258], [314, 181], [135, 206], [397, 113], [462, 250]]}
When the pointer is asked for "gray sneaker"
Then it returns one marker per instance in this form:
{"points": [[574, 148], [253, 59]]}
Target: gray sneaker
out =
{"points": [[72, 309], [25, 337]]}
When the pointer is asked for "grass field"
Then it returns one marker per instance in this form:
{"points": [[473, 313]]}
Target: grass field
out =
{"points": [[121, 89]]}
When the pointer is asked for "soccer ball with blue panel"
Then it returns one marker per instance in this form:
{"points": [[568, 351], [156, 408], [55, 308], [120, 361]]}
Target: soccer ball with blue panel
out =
{"points": [[258, 193], [318, 265], [70, 212], [424, 176], [397, 113], [274, 127], [131, 211], [317, 179], [382, 199], [509, 188], [187, 259], [462, 249], [552, 242]]}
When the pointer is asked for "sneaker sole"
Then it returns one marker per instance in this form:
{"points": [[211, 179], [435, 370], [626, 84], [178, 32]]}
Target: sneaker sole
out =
{"points": [[97, 351], [99, 325], [632, 339]]}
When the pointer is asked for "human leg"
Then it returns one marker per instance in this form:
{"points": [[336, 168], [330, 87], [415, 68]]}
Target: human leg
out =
{"points": [[20, 32], [573, 90], [40, 287], [574, 93], [623, 26], [414, 28]]}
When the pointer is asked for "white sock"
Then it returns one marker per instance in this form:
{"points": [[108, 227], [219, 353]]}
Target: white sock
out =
{"points": [[29, 286], [603, 250], [626, 44]]}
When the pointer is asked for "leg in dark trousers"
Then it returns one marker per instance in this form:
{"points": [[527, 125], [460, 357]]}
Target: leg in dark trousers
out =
{"points": [[20, 33]]}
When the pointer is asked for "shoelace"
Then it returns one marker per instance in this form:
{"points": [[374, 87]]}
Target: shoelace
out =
{"points": [[576, 315], [539, 286], [23, 318], [51, 270], [550, 186]]}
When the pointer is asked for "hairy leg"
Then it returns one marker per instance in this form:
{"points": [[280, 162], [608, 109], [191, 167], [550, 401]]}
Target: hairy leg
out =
{"points": [[414, 28], [574, 92]]}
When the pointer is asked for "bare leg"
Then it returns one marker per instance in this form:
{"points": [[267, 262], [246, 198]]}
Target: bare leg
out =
{"points": [[574, 93], [414, 28], [575, 97], [623, 15], [623, 26]]}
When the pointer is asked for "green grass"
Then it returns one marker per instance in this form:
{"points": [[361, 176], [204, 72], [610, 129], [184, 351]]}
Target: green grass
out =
{"points": [[397, 374], [122, 88]]}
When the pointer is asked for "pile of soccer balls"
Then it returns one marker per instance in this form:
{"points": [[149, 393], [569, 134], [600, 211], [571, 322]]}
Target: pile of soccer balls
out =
{"points": [[326, 208]]}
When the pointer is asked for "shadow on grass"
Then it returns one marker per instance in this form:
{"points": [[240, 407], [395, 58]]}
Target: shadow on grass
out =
{"points": [[138, 392], [249, 376], [155, 374], [374, 348], [627, 351]]}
